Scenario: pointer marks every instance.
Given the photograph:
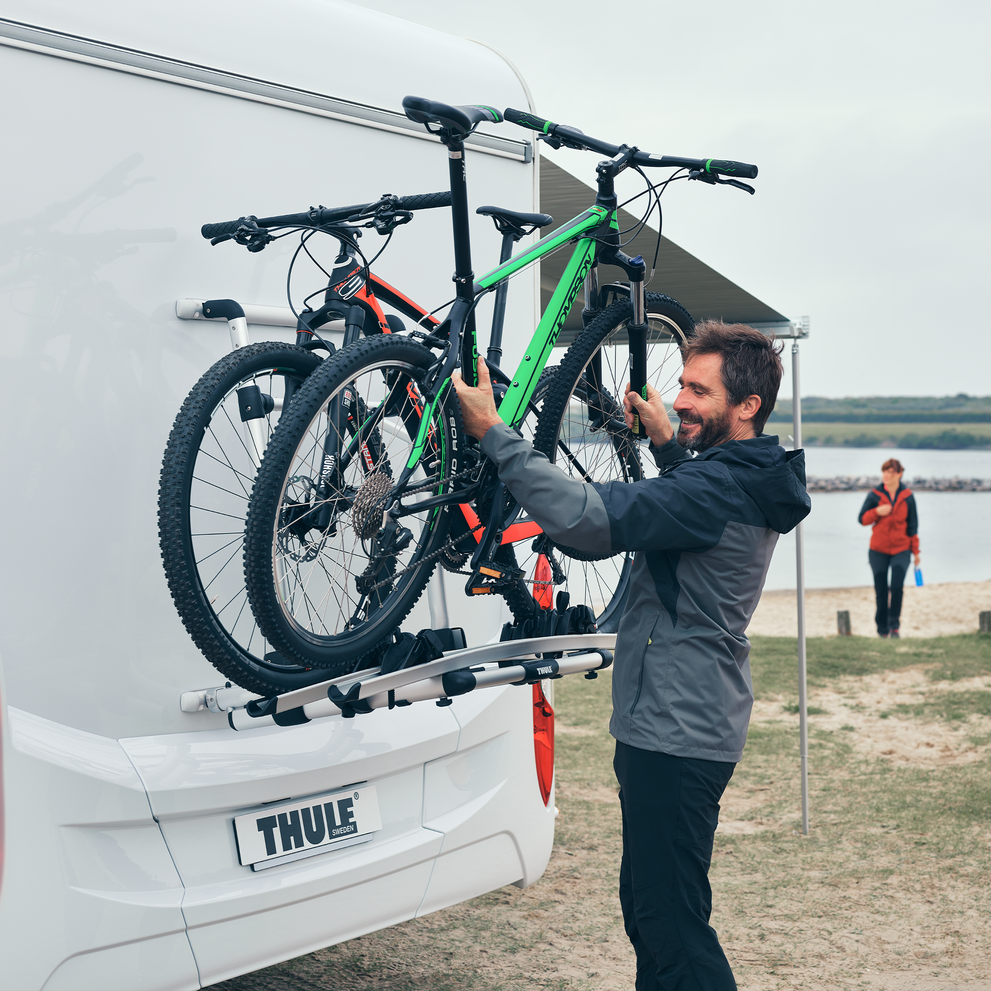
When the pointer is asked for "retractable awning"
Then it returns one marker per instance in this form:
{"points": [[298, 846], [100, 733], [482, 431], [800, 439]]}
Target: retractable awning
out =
{"points": [[699, 288]]}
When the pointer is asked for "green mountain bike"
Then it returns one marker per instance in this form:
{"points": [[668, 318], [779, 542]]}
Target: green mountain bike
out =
{"points": [[339, 544]]}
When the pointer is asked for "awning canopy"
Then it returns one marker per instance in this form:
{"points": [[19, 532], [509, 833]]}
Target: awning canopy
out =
{"points": [[699, 288]]}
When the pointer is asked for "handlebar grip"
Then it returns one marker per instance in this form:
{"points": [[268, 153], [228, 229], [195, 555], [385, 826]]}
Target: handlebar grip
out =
{"points": [[528, 120], [736, 170], [424, 201], [219, 230]]}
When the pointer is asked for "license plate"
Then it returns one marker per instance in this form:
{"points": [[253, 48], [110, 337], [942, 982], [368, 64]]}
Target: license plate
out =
{"points": [[294, 830]]}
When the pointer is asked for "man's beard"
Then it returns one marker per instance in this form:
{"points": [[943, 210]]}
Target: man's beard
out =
{"points": [[712, 432]]}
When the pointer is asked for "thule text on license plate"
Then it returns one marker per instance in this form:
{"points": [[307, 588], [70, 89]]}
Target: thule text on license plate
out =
{"points": [[305, 828]]}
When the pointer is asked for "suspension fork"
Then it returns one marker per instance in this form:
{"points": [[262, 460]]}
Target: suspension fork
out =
{"points": [[636, 330]]}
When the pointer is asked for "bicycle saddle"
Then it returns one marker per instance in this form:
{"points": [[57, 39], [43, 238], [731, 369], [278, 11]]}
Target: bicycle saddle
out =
{"points": [[459, 120], [513, 219]]}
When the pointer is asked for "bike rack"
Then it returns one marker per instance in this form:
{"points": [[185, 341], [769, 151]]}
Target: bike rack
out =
{"points": [[515, 662]]}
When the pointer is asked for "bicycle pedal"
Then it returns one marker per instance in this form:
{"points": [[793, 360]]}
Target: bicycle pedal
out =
{"points": [[490, 576]]}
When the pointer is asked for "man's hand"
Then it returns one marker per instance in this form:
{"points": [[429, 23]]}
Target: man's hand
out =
{"points": [[478, 408], [918, 560], [653, 415], [884, 509]]}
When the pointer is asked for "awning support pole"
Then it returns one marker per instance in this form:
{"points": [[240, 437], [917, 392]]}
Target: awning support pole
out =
{"points": [[803, 716]]}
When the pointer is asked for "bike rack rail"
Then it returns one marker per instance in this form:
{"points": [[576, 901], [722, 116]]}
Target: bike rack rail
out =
{"points": [[515, 662]]}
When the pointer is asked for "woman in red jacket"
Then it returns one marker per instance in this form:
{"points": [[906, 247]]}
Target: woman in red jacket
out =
{"points": [[890, 509]]}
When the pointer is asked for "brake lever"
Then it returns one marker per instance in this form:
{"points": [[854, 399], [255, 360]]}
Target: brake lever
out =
{"points": [[253, 237], [712, 180], [386, 223]]}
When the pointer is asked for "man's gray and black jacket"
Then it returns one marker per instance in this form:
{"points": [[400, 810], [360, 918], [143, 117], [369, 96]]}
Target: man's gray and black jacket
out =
{"points": [[705, 527]]}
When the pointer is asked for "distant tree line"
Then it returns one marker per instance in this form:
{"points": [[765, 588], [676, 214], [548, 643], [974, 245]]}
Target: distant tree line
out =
{"points": [[946, 440], [960, 408]]}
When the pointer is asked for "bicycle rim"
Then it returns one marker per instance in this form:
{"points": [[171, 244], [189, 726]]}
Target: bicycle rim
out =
{"points": [[329, 574], [207, 474]]}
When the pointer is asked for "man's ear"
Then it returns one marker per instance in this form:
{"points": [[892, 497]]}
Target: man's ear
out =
{"points": [[749, 407]]}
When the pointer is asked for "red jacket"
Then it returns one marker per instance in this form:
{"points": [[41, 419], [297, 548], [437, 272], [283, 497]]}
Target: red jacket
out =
{"points": [[899, 530]]}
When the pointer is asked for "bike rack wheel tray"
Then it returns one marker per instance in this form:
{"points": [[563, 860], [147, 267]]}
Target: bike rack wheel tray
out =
{"points": [[515, 662]]}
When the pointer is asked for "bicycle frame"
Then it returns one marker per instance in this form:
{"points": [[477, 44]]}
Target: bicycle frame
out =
{"points": [[596, 231]]}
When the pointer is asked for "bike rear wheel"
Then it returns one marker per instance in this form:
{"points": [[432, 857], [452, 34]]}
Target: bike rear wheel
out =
{"points": [[329, 575], [581, 428], [207, 474]]}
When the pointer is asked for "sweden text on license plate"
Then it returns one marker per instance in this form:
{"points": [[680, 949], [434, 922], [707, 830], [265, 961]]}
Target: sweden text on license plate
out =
{"points": [[304, 828]]}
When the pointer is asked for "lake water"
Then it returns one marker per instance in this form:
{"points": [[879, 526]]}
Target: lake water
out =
{"points": [[827, 462], [954, 527]]}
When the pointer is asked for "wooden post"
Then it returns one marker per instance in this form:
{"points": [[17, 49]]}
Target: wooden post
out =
{"points": [[843, 622], [985, 621]]}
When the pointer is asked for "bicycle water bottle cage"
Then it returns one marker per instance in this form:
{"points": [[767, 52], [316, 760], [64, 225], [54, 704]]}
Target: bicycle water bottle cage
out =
{"points": [[513, 222], [456, 122]]}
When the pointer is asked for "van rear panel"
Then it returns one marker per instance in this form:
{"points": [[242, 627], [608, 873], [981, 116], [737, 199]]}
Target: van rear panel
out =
{"points": [[134, 125]]}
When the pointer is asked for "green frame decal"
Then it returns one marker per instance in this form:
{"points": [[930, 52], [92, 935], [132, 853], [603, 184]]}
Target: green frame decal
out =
{"points": [[513, 406]]}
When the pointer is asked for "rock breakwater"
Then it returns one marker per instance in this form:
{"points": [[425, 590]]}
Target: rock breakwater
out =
{"points": [[859, 483]]}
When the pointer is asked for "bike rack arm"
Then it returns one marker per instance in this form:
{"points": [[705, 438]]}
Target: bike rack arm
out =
{"points": [[516, 662]]}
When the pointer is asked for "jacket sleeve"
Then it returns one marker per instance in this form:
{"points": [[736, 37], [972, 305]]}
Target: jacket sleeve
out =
{"points": [[912, 524], [668, 454], [868, 512], [568, 511], [682, 511]]}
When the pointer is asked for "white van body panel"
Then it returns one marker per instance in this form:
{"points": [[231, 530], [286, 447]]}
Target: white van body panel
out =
{"points": [[133, 125]]}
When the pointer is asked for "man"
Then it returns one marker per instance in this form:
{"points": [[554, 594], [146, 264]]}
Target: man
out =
{"points": [[704, 530]]}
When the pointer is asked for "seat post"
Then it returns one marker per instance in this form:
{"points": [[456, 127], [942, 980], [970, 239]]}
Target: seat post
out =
{"points": [[464, 277], [494, 353]]}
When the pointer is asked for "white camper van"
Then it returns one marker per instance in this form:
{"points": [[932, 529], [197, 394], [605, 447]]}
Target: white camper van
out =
{"points": [[127, 126]]}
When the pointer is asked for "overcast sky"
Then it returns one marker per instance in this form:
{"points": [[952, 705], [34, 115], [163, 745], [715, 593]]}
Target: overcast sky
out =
{"points": [[869, 122]]}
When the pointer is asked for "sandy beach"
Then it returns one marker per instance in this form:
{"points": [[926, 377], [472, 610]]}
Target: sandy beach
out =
{"points": [[929, 611]]}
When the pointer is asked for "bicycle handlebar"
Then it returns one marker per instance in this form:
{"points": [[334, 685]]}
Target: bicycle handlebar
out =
{"points": [[572, 136], [323, 216]]}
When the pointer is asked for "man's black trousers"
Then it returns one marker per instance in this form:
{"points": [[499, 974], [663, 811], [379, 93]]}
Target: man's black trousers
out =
{"points": [[888, 615], [670, 811]]}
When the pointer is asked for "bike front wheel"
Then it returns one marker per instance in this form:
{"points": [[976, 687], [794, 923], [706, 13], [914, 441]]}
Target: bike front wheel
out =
{"points": [[207, 474], [582, 429], [332, 563]]}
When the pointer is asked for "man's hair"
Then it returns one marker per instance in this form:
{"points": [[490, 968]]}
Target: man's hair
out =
{"points": [[893, 463], [751, 363]]}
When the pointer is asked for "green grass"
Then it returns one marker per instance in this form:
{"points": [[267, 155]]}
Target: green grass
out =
{"points": [[773, 659], [893, 876], [951, 435], [949, 706]]}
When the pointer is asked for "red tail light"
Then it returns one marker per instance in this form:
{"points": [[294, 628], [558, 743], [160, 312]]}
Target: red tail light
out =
{"points": [[543, 583], [543, 741]]}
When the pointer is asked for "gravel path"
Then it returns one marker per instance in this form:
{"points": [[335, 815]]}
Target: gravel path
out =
{"points": [[929, 611]]}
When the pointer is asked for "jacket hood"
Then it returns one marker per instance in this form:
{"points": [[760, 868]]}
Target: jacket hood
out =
{"points": [[773, 477]]}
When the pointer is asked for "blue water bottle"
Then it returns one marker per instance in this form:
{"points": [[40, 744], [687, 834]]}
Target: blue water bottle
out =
{"points": [[918, 576]]}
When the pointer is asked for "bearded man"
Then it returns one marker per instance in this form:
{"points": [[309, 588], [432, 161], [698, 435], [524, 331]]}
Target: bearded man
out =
{"points": [[704, 531]]}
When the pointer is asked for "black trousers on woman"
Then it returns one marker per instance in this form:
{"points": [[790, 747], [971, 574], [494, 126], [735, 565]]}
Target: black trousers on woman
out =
{"points": [[670, 811], [888, 615]]}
